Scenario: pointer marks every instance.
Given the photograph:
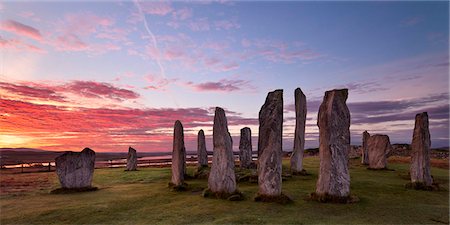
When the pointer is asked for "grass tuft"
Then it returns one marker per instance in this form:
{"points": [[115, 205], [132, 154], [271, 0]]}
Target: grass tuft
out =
{"points": [[235, 196], [178, 188], [281, 199], [326, 198]]}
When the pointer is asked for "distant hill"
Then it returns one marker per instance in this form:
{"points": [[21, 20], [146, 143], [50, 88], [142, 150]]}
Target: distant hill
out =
{"points": [[23, 150], [12, 156]]}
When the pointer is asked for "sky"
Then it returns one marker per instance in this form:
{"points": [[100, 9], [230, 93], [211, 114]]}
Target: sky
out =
{"points": [[113, 74]]}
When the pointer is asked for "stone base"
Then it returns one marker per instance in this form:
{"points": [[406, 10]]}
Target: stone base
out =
{"points": [[72, 190], [202, 172], [181, 187], [246, 175], [282, 198], [235, 196], [422, 186], [300, 173], [326, 198]]}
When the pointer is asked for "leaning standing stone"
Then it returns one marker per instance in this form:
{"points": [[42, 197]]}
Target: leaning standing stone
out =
{"points": [[299, 136], [222, 180], [245, 148], [270, 149], [131, 159], [76, 169], [365, 150], [202, 154], [178, 157], [333, 120], [379, 147], [420, 154]]}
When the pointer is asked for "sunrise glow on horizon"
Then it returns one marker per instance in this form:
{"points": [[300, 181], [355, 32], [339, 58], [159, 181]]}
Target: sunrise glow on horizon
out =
{"points": [[108, 75]]}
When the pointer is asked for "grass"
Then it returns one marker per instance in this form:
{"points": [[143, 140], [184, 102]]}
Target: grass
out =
{"points": [[143, 197]]}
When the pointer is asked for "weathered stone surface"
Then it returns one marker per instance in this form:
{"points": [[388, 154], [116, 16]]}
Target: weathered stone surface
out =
{"points": [[202, 154], [420, 154], [131, 159], [221, 178], [178, 155], [270, 144], [379, 147], [299, 135], [76, 169], [334, 137], [365, 150], [245, 148]]}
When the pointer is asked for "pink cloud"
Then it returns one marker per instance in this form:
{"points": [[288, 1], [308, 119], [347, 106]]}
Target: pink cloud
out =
{"points": [[182, 14], [223, 85], [157, 83], [18, 45], [226, 25], [52, 92], [216, 45], [116, 34], [21, 29], [159, 8], [201, 24], [70, 42], [32, 90], [85, 23], [92, 89]]}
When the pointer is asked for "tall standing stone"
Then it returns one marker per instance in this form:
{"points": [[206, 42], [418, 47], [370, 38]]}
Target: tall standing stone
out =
{"points": [[420, 154], [76, 169], [131, 159], [222, 180], [202, 154], [299, 135], [178, 155], [365, 150], [245, 148], [270, 145], [379, 146], [334, 146]]}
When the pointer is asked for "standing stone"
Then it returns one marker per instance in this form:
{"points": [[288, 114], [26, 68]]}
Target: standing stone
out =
{"points": [[379, 147], [178, 156], [334, 137], [299, 136], [131, 159], [222, 180], [270, 145], [365, 150], [420, 154], [76, 169], [245, 148], [202, 154]]}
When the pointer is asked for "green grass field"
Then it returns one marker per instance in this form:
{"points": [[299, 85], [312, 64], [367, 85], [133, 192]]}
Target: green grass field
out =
{"points": [[142, 197]]}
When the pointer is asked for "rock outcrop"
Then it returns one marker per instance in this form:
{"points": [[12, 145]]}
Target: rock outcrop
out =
{"points": [[365, 150], [420, 154], [202, 154], [333, 120], [76, 169], [270, 146], [379, 147], [222, 180], [299, 135], [131, 159], [178, 157], [245, 148]]}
